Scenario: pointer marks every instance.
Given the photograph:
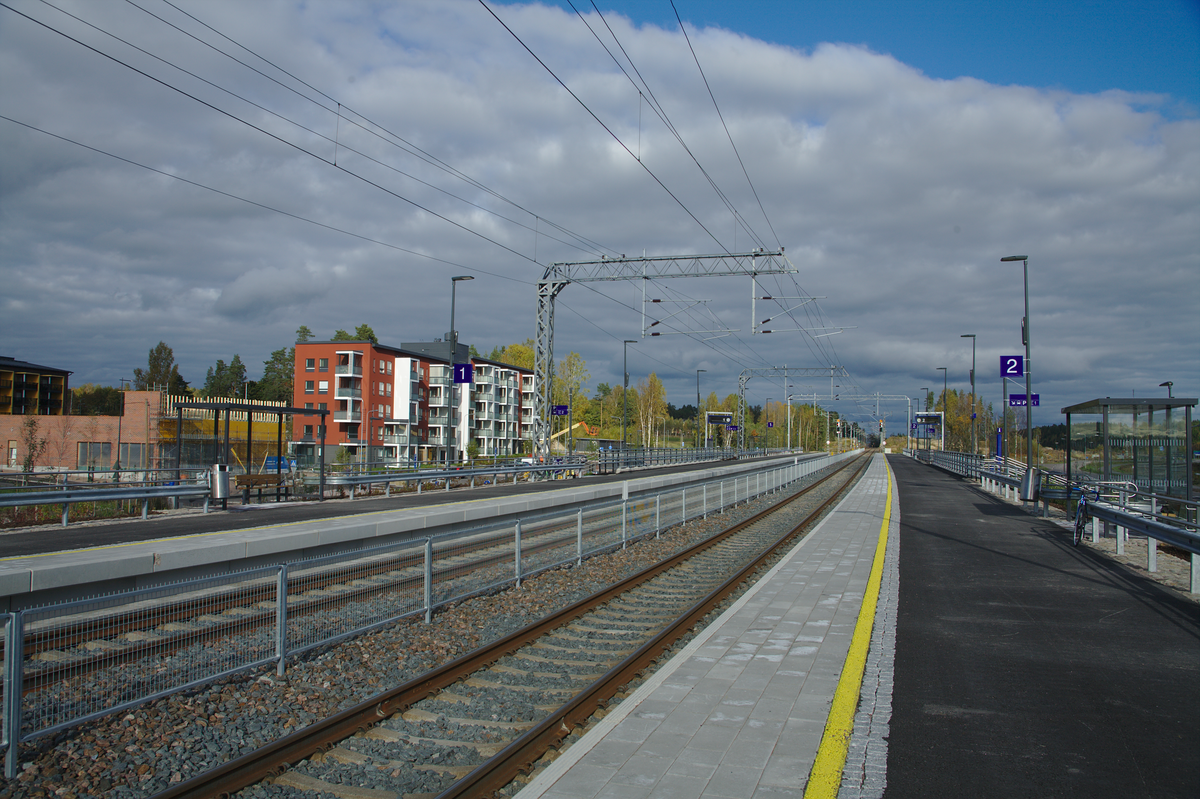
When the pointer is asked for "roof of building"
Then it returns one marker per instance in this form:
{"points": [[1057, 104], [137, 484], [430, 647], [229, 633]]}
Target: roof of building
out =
{"points": [[1140, 404], [12, 364], [427, 350]]}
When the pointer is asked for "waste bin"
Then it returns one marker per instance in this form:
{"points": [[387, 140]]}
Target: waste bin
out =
{"points": [[218, 482], [1029, 484]]}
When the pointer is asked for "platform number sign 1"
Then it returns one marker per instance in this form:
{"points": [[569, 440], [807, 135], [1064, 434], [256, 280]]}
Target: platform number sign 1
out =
{"points": [[464, 372], [1012, 365]]}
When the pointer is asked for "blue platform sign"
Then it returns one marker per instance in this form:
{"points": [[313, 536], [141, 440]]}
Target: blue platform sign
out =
{"points": [[464, 373], [1018, 400], [770, 424], [732, 427], [1012, 365], [559, 410]]}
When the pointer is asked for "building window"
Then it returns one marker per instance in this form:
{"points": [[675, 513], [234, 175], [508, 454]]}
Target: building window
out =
{"points": [[308, 431], [324, 406], [323, 387], [309, 364], [389, 367], [324, 365], [94, 454], [308, 406], [308, 386]]}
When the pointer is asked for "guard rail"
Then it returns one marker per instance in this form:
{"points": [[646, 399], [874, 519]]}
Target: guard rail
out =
{"points": [[71, 495]]}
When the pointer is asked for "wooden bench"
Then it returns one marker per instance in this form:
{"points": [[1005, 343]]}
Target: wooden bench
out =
{"points": [[260, 481]]}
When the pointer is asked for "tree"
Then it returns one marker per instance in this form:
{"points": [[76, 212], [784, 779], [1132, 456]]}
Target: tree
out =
{"points": [[225, 381], [161, 373], [361, 333], [276, 383], [651, 406], [520, 355], [93, 400], [303, 334], [34, 445]]}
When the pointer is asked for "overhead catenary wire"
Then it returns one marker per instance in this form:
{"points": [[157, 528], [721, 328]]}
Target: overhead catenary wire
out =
{"points": [[591, 246]]}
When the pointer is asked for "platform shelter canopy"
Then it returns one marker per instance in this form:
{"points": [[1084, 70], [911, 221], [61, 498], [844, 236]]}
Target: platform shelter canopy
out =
{"points": [[1143, 441]]}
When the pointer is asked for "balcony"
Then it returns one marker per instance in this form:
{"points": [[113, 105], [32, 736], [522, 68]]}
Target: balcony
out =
{"points": [[346, 369], [347, 416], [346, 392], [401, 440]]}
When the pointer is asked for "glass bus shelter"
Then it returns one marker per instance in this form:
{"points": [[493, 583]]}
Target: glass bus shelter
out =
{"points": [[1146, 442]]}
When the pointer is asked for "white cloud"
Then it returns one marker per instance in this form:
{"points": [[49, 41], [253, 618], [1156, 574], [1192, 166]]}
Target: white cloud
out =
{"points": [[895, 195]]}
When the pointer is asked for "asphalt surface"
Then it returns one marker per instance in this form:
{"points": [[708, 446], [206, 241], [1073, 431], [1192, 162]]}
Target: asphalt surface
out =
{"points": [[81, 535], [1026, 667]]}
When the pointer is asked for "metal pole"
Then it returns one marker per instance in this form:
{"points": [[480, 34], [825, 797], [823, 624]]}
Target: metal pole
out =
{"points": [[625, 393], [698, 371]]}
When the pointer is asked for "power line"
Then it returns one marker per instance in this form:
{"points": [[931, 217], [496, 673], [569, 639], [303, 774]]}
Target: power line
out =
{"points": [[600, 122], [257, 204], [696, 58]]}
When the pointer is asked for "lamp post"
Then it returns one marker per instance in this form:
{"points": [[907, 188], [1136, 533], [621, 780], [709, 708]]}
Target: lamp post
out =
{"points": [[924, 394], [1168, 385], [453, 352], [767, 428], [1029, 485], [625, 392], [945, 402], [974, 441], [698, 371]]}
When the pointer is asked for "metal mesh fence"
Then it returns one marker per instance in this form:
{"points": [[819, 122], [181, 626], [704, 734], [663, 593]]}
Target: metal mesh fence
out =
{"points": [[69, 663], [88, 658], [338, 596]]}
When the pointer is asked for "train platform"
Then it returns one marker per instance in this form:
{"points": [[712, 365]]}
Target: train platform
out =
{"points": [[1002, 662], [742, 710]]}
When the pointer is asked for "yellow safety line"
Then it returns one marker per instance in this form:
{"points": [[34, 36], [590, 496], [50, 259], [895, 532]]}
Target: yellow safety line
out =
{"points": [[826, 776]]}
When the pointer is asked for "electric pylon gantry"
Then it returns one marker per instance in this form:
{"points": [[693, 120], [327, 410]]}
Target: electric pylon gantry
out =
{"points": [[559, 275]]}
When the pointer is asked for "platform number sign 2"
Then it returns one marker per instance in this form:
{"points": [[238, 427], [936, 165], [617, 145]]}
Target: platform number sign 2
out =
{"points": [[1012, 365]]}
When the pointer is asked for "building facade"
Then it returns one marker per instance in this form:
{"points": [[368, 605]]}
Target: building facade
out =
{"points": [[401, 404], [29, 389]]}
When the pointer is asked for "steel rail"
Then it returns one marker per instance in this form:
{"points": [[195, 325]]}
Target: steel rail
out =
{"points": [[276, 757], [520, 755]]}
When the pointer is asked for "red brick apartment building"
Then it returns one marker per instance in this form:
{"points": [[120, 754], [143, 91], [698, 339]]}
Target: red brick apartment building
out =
{"points": [[401, 405]]}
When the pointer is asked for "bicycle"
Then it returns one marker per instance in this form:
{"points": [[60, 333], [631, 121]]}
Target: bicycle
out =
{"points": [[1081, 515]]}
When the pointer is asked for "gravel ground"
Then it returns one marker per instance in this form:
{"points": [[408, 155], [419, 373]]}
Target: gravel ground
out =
{"points": [[146, 750]]}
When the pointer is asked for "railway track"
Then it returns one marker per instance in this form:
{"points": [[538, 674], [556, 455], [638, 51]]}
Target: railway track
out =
{"points": [[471, 726], [76, 646]]}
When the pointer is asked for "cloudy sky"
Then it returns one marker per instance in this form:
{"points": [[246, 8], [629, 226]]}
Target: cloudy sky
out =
{"points": [[215, 174]]}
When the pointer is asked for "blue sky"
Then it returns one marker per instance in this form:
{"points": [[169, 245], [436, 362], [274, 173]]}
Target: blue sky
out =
{"points": [[1146, 46]]}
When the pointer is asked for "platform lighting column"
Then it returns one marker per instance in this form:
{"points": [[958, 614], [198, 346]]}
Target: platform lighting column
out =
{"points": [[698, 371], [767, 428], [925, 400], [454, 351], [974, 439], [1029, 487], [625, 393], [945, 402]]}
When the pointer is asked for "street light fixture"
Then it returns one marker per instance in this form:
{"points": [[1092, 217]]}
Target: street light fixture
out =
{"points": [[698, 371], [1168, 384], [453, 352], [625, 391], [1029, 485], [974, 437]]}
